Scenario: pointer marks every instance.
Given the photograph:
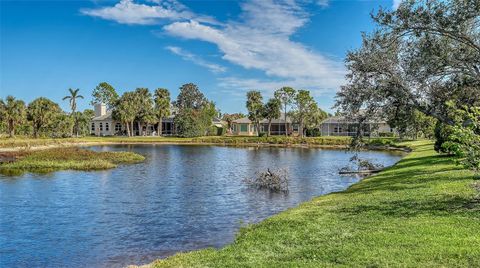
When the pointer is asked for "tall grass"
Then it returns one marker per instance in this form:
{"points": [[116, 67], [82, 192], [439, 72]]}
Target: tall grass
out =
{"points": [[68, 158]]}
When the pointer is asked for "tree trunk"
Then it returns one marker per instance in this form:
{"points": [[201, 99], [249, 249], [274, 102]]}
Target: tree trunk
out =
{"points": [[159, 127], [11, 129], [131, 128], [285, 118], [269, 126], [140, 128], [300, 128], [258, 128], [128, 129], [35, 132]]}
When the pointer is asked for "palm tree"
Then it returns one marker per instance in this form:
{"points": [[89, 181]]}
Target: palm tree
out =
{"points": [[12, 112], [73, 104], [162, 106], [272, 111], [285, 95]]}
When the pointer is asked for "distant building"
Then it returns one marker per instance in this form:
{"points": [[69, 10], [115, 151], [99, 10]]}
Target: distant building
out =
{"points": [[342, 126], [103, 124], [245, 127]]}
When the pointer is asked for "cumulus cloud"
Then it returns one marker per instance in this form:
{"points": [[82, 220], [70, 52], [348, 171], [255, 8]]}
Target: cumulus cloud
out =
{"points": [[261, 38], [215, 68], [129, 12]]}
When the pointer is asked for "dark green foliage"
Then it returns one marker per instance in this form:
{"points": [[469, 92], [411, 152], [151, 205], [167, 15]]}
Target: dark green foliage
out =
{"points": [[195, 112], [105, 93]]}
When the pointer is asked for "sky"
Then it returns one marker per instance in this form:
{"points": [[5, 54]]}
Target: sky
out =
{"points": [[225, 47]]}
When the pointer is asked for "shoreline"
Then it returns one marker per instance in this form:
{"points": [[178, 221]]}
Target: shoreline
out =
{"points": [[351, 224], [333, 143]]}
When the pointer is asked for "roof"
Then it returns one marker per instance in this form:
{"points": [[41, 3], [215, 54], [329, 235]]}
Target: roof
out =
{"points": [[107, 116], [281, 120], [344, 119]]}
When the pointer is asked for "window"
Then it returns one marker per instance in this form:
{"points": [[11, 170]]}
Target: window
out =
{"points": [[93, 127], [118, 127], [101, 126], [107, 127], [243, 128]]}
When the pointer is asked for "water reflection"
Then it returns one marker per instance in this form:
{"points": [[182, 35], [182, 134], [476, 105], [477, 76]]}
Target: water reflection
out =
{"points": [[181, 198]]}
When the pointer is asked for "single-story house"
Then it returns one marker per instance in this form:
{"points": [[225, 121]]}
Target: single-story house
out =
{"points": [[342, 126], [103, 124], [245, 127]]}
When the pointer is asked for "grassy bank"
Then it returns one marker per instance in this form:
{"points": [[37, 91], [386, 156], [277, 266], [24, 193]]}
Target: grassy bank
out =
{"points": [[67, 158], [422, 212], [26, 143]]}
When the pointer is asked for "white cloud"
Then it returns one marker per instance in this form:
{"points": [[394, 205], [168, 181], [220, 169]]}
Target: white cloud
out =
{"points": [[260, 39], [396, 4], [215, 68], [323, 3], [128, 12]]}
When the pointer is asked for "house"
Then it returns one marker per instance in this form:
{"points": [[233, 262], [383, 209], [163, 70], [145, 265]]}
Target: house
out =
{"points": [[245, 127], [103, 124], [342, 126]]}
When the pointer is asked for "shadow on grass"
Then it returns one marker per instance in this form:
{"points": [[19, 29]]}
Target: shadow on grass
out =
{"points": [[409, 174], [414, 207]]}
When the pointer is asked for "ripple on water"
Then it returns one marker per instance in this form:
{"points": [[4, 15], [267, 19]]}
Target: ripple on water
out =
{"points": [[181, 198]]}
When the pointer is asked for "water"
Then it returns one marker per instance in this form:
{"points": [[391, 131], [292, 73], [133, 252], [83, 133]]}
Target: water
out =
{"points": [[181, 198]]}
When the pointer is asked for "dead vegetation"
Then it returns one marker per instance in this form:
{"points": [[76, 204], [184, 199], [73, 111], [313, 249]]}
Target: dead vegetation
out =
{"points": [[275, 181]]}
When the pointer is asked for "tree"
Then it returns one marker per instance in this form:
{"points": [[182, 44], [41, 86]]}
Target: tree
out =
{"points": [[105, 93], [420, 56], [272, 110], [41, 112], [143, 104], [305, 107], [314, 119], [230, 117], [83, 121], [12, 112], [285, 95], [125, 111], [72, 98], [255, 108], [194, 112], [190, 97], [162, 106], [463, 139]]}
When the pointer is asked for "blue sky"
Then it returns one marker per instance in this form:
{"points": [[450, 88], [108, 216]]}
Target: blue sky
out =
{"points": [[225, 47]]}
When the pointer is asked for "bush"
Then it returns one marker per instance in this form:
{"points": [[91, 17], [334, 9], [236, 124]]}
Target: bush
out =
{"points": [[442, 134], [386, 134]]}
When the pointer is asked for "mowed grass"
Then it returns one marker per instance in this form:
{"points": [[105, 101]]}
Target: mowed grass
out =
{"points": [[68, 158], [422, 212]]}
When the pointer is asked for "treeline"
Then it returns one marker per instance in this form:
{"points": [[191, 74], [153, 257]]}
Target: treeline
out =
{"points": [[299, 105], [193, 111], [44, 118]]}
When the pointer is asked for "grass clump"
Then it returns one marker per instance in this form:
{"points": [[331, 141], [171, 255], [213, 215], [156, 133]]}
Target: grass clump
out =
{"points": [[422, 212], [67, 158]]}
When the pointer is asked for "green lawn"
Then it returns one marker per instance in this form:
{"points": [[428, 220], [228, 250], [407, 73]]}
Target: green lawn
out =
{"points": [[67, 158], [423, 212]]}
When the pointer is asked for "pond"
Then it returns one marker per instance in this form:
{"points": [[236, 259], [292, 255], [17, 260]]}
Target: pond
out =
{"points": [[181, 198]]}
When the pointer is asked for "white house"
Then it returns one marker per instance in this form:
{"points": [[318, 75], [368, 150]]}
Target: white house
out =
{"points": [[103, 124]]}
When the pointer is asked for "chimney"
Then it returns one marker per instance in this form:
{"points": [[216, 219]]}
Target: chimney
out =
{"points": [[100, 109]]}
